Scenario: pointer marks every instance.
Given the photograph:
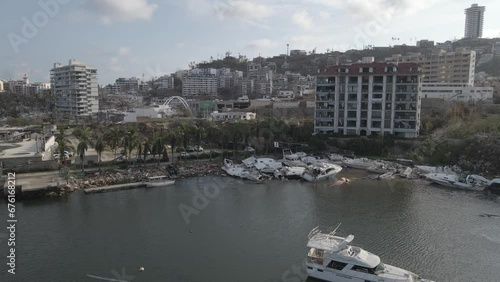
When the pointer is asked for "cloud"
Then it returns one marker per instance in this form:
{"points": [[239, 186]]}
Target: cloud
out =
{"points": [[368, 10], [491, 33], [123, 51], [263, 43], [110, 11], [324, 15], [302, 20], [241, 9], [179, 45]]}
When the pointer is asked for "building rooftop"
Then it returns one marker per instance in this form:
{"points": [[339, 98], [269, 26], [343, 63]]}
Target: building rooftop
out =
{"points": [[378, 68]]}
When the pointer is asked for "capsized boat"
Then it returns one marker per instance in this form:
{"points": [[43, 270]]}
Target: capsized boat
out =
{"points": [[321, 171], [332, 258], [470, 182], [157, 181], [381, 167]]}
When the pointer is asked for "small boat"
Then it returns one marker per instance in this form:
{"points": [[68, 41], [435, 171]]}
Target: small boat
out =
{"points": [[336, 158], [471, 182], [157, 181], [361, 163], [332, 258], [321, 171]]}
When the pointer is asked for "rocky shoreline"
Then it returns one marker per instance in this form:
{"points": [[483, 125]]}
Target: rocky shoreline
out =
{"points": [[134, 175]]}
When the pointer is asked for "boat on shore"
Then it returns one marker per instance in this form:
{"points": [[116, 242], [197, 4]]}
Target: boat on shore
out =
{"points": [[241, 171], [361, 163], [157, 181], [332, 258], [292, 172], [471, 182], [321, 171]]}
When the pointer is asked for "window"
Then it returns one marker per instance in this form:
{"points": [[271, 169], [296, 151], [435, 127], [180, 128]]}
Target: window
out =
{"points": [[363, 269], [337, 265]]}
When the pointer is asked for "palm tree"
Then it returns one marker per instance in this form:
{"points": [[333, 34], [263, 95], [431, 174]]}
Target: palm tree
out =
{"points": [[99, 148], [199, 135], [146, 149], [80, 150], [63, 143], [130, 142], [158, 146], [113, 138]]}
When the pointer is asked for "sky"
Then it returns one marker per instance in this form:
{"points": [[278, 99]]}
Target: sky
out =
{"points": [[125, 38]]}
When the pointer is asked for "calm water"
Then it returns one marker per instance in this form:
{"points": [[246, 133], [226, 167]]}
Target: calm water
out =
{"points": [[253, 233]]}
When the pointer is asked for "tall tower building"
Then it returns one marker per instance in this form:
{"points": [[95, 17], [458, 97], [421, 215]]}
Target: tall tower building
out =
{"points": [[75, 88], [474, 19]]}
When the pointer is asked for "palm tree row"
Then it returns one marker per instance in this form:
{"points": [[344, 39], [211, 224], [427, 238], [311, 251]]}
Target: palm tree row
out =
{"points": [[154, 140]]}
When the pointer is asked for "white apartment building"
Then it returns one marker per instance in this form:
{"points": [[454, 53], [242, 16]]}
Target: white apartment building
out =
{"points": [[165, 82], [369, 99], [226, 116], [457, 93], [1, 86], [457, 67], [75, 89], [474, 20], [199, 86]]}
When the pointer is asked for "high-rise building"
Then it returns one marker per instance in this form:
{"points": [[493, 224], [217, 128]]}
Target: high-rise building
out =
{"points": [[457, 67], [128, 85], [369, 99], [75, 89], [474, 19]]}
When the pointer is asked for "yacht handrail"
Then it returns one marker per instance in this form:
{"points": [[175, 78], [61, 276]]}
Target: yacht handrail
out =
{"points": [[313, 232]]}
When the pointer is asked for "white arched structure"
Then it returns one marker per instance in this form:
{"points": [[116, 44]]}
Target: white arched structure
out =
{"points": [[179, 99]]}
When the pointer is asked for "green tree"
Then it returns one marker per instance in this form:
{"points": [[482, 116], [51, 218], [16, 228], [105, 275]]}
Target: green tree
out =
{"points": [[99, 148], [113, 139]]}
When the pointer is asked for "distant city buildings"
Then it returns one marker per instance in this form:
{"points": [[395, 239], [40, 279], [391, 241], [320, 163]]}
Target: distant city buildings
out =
{"points": [[298, 53], [165, 82], [425, 43], [443, 67], [75, 89], [24, 87], [474, 20], [369, 99]]}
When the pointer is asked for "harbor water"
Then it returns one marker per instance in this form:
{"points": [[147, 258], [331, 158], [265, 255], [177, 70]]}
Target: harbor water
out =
{"points": [[224, 229]]}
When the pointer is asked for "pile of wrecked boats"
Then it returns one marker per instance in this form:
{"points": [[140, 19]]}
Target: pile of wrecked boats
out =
{"points": [[290, 167], [314, 169]]}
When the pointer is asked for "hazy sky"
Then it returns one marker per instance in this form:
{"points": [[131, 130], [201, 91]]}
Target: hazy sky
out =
{"points": [[124, 38]]}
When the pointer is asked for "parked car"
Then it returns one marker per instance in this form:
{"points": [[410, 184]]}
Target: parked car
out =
{"points": [[190, 149], [68, 154], [184, 154], [198, 148], [179, 149]]}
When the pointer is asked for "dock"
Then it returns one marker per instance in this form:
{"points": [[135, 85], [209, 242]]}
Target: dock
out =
{"points": [[117, 187]]}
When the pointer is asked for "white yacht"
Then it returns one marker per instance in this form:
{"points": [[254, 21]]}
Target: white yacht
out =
{"points": [[332, 258], [471, 182], [241, 171], [288, 155], [321, 171], [267, 165], [157, 181], [361, 163]]}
